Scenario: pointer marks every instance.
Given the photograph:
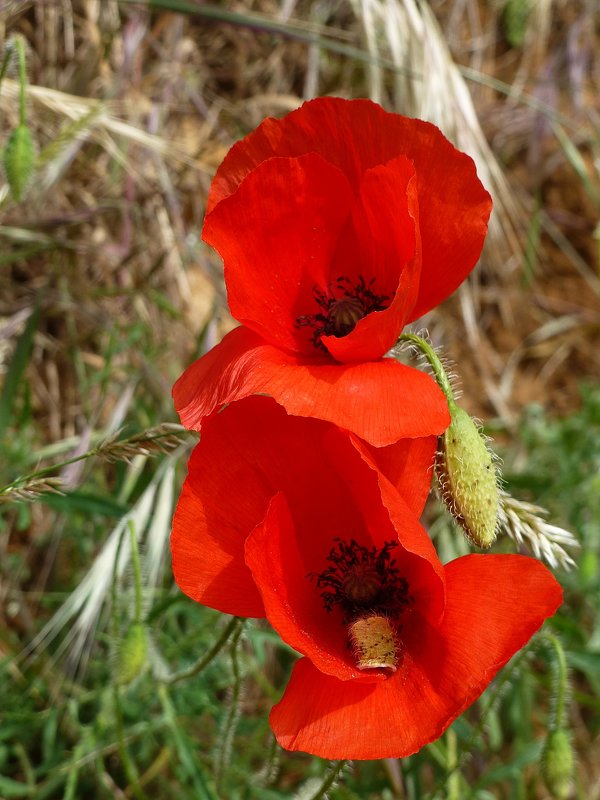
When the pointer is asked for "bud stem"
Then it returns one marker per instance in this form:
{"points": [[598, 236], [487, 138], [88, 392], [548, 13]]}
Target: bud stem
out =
{"points": [[22, 79], [435, 364], [137, 573], [562, 679]]}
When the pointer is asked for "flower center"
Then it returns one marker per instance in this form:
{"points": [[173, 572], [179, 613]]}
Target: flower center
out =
{"points": [[341, 307], [344, 314], [366, 585]]}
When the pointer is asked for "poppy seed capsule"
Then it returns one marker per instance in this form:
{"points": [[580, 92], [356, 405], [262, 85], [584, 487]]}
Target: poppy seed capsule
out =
{"points": [[467, 478], [344, 314], [373, 642]]}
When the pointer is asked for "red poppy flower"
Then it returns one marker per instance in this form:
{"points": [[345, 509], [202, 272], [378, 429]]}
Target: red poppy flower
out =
{"points": [[338, 225], [298, 521]]}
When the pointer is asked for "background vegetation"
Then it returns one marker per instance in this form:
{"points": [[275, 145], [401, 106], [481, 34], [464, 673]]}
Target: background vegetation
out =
{"points": [[107, 293]]}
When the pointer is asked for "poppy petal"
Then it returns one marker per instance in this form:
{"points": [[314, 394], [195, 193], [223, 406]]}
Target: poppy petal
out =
{"points": [[293, 604], [356, 135], [407, 464], [378, 502], [277, 235], [380, 401], [453, 220], [207, 556], [445, 668], [247, 453], [387, 255]]}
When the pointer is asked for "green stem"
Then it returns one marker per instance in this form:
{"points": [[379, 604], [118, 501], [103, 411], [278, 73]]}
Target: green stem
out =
{"points": [[22, 79], [435, 363], [126, 760], [452, 765], [223, 756], [137, 572], [5, 62], [562, 679], [234, 624], [329, 780]]}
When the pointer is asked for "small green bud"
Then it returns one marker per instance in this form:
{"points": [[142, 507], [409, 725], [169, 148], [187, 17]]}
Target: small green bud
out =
{"points": [[516, 14], [467, 477], [557, 764], [133, 653], [19, 160]]}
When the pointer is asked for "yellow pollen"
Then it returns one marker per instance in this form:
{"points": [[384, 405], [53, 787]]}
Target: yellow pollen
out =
{"points": [[373, 643]]}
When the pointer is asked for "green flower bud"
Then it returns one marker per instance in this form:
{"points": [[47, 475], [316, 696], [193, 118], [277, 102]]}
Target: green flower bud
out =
{"points": [[516, 14], [19, 160], [468, 479], [133, 654], [557, 764]]}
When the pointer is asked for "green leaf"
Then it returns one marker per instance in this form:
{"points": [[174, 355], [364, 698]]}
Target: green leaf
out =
{"points": [[10, 788], [86, 503]]}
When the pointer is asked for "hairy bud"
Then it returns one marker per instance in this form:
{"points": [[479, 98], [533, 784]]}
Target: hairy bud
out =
{"points": [[557, 764], [468, 479], [19, 160], [133, 654]]}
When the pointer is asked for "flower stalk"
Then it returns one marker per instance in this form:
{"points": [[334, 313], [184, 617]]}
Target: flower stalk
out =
{"points": [[464, 466], [557, 755]]}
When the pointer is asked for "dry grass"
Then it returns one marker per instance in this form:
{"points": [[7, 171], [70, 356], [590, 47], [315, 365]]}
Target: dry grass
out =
{"points": [[132, 111]]}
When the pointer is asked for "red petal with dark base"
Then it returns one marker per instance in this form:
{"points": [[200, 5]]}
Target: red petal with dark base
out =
{"points": [[380, 401], [292, 543], [444, 671], [356, 135], [386, 247], [248, 453], [292, 602]]}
